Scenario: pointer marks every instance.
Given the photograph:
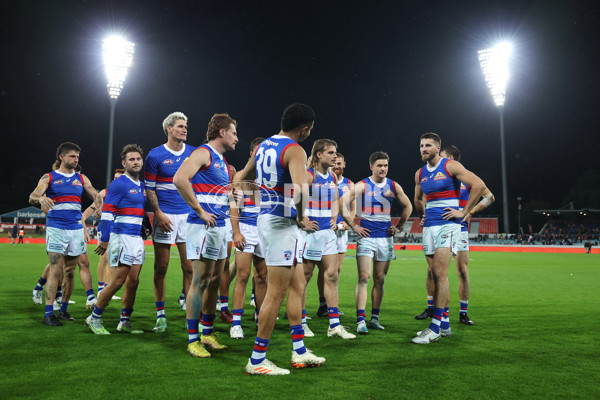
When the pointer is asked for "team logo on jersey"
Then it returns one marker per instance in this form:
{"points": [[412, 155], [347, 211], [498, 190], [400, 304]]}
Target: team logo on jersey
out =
{"points": [[439, 176], [168, 162], [287, 255], [133, 191], [76, 182], [59, 182]]}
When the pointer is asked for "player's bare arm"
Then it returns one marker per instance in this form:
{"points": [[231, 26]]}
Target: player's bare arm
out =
{"points": [[163, 222], [406, 208], [198, 159], [347, 199], [335, 209], [418, 199], [38, 196], [295, 159], [92, 193], [487, 198], [477, 186]]}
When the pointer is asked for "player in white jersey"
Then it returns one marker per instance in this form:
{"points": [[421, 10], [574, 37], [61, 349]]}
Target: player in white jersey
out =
{"points": [[170, 210], [60, 192]]}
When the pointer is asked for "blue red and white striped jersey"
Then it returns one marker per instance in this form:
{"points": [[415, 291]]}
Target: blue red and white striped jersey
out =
{"points": [[210, 185], [66, 191], [105, 225], [322, 192], [441, 191], [249, 212], [465, 191], [375, 210], [160, 167], [343, 188], [273, 178], [125, 204]]}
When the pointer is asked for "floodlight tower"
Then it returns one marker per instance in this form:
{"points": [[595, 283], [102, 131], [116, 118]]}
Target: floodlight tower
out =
{"points": [[494, 64], [118, 57]]}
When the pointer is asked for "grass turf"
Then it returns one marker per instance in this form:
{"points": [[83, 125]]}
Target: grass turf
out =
{"points": [[534, 337]]}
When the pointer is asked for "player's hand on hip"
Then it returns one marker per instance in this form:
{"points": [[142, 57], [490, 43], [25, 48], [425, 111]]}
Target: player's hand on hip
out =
{"points": [[209, 218], [452, 213], [360, 231], [307, 225]]}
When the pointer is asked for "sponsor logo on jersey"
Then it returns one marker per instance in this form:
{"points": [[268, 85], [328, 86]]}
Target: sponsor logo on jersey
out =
{"points": [[439, 176], [168, 161], [388, 193], [270, 143], [332, 185], [76, 182]]}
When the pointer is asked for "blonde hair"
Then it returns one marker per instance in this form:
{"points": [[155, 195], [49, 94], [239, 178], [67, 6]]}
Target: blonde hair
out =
{"points": [[318, 147]]}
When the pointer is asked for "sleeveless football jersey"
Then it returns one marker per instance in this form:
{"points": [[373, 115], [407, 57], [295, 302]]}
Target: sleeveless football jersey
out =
{"points": [[66, 191], [210, 185], [273, 178], [343, 188], [322, 191], [441, 191], [376, 206], [161, 165]]}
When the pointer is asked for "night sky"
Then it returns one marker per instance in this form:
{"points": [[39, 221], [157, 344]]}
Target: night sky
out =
{"points": [[378, 74]]}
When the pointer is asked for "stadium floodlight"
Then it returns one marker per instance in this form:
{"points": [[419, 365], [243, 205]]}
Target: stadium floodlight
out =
{"points": [[494, 64], [118, 57]]}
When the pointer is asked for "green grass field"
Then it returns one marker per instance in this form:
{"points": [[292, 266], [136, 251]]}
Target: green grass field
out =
{"points": [[534, 337]]}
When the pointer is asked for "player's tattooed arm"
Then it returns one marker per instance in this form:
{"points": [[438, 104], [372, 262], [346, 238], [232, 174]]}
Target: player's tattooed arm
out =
{"points": [[92, 193], [161, 219], [38, 196]]}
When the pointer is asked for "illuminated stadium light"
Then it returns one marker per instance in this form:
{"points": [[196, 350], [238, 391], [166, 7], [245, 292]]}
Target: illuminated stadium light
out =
{"points": [[494, 64], [118, 57]]}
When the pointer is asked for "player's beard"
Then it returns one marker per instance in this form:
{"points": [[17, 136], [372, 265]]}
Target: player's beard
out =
{"points": [[133, 173]]}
